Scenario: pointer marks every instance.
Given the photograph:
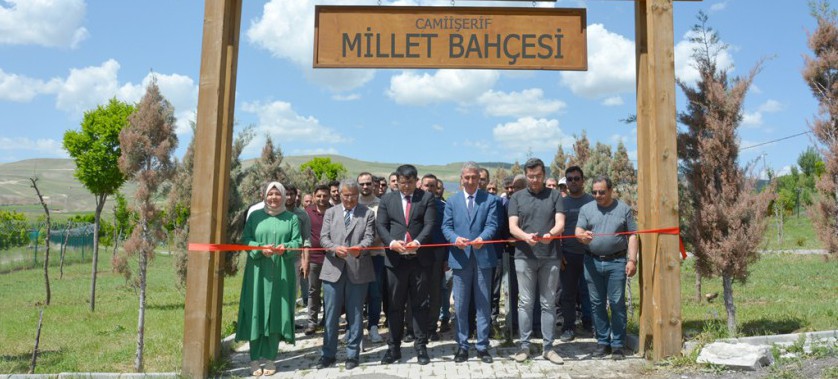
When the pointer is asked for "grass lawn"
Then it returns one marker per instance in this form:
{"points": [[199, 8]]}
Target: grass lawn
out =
{"points": [[75, 340], [798, 234], [785, 293]]}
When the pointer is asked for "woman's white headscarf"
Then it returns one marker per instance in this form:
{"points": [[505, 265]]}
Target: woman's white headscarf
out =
{"points": [[281, 208]]}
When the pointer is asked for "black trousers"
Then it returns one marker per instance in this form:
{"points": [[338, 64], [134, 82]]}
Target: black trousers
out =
{"points": [[408, 278], [574, 269], [434, 296]]}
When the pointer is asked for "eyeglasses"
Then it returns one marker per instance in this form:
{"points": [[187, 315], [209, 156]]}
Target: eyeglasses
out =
{"points": [[599, 192], [365, 184], [573, 178]]}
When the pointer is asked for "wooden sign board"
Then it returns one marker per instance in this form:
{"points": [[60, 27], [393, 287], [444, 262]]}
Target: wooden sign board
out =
{"points": [[450, 37]]}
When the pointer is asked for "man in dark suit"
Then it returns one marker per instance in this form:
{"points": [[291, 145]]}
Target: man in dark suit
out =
{"points": [[471, 218], [347, 270], [405, 221]]}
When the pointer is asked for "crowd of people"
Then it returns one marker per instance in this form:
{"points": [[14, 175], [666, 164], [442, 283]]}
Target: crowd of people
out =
{"points": [[363, 246]]}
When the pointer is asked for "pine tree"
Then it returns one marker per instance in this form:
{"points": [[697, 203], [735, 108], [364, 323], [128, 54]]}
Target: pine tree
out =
{"points": [[581, 152], [729, 217], [147, 146], [499, 176], [624, 176], [820, 74], [516, 169], [599, 161], [559, 163]]}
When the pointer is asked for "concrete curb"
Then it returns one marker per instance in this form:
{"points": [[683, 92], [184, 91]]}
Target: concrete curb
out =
{"points": [[828, 336]]}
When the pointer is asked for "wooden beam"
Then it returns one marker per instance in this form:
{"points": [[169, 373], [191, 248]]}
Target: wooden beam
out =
{"points": [[208, 218], [647, 252], [658, 178]]}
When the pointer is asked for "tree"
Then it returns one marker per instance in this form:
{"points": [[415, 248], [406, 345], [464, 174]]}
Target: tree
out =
{"points": [[808, 161], [324, 168], [498, 177], [267, 168], [49, 226], [236, 205], [147, 146], [624, 175], [559, 163], [95, 150], [581, 151], [729, 216], [516, 169], [599, 161], [820, 74]]}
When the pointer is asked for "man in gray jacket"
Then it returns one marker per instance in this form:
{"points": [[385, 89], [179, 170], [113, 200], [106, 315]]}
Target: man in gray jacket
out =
{"points": [[348, 229]]}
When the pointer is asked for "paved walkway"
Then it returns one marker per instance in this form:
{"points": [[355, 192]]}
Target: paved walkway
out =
{"points": [[298, 361]]}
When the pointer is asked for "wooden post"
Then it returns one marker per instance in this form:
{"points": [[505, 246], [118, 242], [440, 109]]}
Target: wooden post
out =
{"points": [[208, 219], [658, 178]]}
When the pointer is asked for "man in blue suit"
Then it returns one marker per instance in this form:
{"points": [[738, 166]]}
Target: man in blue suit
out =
{"points": [[471, 218]]}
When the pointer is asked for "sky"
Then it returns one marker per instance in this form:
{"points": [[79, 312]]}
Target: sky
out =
{"points": [[60, 58]]}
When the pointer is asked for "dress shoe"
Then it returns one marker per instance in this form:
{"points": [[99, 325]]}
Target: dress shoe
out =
{"points": [[484, 356], [601, 351], [325, 362], [461, 355], [618, 354], [391, 357], [422, 356], [351, 363], [310, 329]]}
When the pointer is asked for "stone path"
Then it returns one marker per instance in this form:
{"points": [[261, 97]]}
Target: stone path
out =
{"points": [[298, 361]]}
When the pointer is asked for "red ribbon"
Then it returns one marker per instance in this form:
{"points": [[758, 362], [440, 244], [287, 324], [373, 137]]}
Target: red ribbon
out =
{"points": [[201, 247]]}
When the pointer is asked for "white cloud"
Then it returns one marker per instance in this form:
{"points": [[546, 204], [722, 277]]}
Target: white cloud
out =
{"points": [[42, 147], [770, 106], [685, 66], [752, 119], [613, 101], [285, 29], [22, 89], [459, 86], [180, 90], [720, 6], [85, 88], [529, 102], [278, 120], [616, 139], [611, 66], [316, 151], [528, 133], [347, 97], [50, 23], [437, 127]]}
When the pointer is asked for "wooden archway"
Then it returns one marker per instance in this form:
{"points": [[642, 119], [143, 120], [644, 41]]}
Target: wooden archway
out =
{"points": [[660, 314]]}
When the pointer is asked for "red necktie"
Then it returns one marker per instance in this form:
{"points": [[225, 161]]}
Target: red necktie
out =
{"points": [[407, 238]]}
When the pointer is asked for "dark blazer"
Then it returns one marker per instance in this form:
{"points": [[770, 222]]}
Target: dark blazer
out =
{"points": [[391, 225], [360, 233], [484, 224]]}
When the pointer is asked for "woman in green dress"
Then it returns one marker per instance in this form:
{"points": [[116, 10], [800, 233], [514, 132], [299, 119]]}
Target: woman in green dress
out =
{"points": [[266, 308]]}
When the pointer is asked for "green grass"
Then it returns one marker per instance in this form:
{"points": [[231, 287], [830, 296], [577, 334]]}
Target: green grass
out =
{"points": [[785, 293], [75, 340], [798, 234]]}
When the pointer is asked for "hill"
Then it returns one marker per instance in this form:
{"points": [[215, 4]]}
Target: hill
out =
{"points": [[66, 195]]}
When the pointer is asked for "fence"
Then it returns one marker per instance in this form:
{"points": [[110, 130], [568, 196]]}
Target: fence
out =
{"points": [[22, 245]]}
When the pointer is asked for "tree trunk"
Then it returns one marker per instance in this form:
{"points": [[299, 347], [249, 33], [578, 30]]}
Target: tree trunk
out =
{"points": [[727, 283], [64, 248], [46, 240], [697, 286], [100, 203], [138, 363], [37, 342]]}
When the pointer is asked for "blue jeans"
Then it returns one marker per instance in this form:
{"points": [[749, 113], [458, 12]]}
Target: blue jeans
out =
{"points": [[473, 285], [607, 280], [543, 274], [336, 296], [375, 292]]}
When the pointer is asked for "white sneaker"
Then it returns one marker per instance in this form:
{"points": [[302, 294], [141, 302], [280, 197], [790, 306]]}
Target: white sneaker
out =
{"points": [[374, 336]]}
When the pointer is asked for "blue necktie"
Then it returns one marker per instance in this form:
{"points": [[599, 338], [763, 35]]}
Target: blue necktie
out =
{"points": [[346, 218], [470, 206]]}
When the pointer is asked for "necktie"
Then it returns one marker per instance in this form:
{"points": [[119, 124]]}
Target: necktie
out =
{"points": [[470, 206], [407, 237], [346, 218]]}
